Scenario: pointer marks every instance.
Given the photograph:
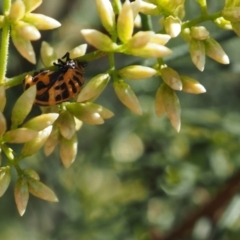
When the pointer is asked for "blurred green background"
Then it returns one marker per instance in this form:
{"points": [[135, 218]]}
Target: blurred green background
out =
{"points": [[134, 176]]}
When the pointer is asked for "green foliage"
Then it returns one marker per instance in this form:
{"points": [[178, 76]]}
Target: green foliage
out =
{"points": [[123, 35]]}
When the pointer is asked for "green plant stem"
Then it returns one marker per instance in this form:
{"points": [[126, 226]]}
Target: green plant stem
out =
{"points": [[4, 43], [201, 19]]}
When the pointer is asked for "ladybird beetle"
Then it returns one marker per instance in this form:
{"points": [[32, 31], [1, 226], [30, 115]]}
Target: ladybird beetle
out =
{"points": [[54, 87]]}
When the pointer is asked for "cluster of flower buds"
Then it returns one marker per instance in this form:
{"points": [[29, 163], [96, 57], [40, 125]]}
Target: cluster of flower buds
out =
{"points": [[146, 44], [25, 26], [231, 16], [166, 100], [201, 44]]}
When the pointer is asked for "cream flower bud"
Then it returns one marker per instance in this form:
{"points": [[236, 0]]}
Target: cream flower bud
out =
{"points": [[106, 14], [151, 50], [190, 85], [172, 26], [78, 51], [197, 51], [68, 150], [21, 195], [171, 78], [32, 4], [85, 113], [215, 51], [223, 23], [34, 145], [41, 22], [66, 124], [159, 102], [186, 34], [127, 96], [20, 135], [40, 190], [98, 40], [24, 47], [93, 88], [125, 22], [52, 141], [42, 121], [140, 39], [48, 54], [28, 172], [136, 72], [160, 39], [17, 11], [136, 7], [19, 113], [5, 178], [172, 107], [149, 8], [199, 33], [27, 31]]}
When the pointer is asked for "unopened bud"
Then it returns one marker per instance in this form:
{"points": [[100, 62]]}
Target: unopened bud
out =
{"points": [[172, 26], [199, 33], [171, 78], [197, 51]]}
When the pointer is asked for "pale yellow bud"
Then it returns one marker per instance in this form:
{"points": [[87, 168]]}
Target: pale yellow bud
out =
{"points": [[41, 22], [94, 88], [186, 34], [42, 121], [190, 85], [52, 141], [34, 145], [17, 11], [28, 172], [32, 4], [19, 113], [125, 22], [197, 51], [215, 51], [223, 23], [66, 124], [21, 195], [40, 190], [98, 40], [199, 33], [151, 50], [106, 14], [127, 96], [5, 178], [85, 113], [149, 8], [68, 150], [27, 31], [78, 51], [135, 7], [172, 26], [24, 47], [172, 107], [19, 135], [160, 39], [48, 54], [171, 78], [140, 39], [136, 72], [159, 102]]}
